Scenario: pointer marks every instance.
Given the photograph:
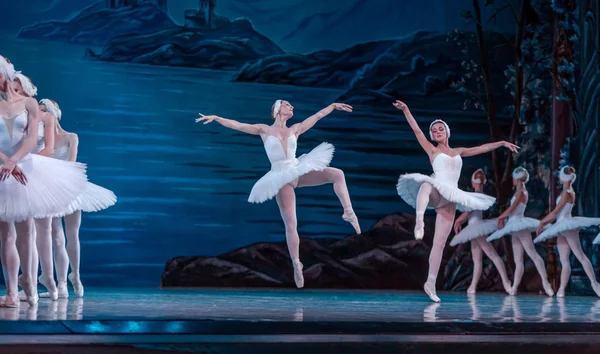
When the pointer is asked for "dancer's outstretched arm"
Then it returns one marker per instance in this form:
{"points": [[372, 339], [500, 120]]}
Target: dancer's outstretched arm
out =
{"points": [[519, 198], [421, 138], [310, 122], [460, 221], [482, 149], [551, 217], [254, 129]]}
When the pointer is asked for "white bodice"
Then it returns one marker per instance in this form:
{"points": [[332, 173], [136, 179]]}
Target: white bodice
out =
{"points": [[565, 212], [280, 157], [447, 168], [13, 132], [61, 152], [40, 142], [475, 216], [520, 210]]}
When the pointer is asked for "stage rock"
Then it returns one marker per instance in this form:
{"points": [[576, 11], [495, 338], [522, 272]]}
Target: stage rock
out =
{"points": [[96, 25], [225, 48]]}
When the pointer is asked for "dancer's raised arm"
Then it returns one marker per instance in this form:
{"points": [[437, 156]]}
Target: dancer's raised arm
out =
{"points": [[421, 138], [482, 149], [254, 129], [310, 122], [565, 198]]}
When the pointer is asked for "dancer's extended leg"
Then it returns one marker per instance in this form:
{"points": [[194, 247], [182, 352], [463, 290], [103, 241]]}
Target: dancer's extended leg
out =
{"points": [[575, 244], [43, 230], [491, 253], [335, 176], [564, 251], [427, 196], [286, 199], [519, 256]]}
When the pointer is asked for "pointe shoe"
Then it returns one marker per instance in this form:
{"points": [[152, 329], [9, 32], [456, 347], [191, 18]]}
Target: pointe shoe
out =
{"points": [[77, 286], [596, 288], [22, 296], [430, 291], [472, 289], [298, 276], [548, 289], [419, 228], [30, 292], [560, 292], [10, 301], [63, 292], [507, 288], [49, 284], [351, 218]]}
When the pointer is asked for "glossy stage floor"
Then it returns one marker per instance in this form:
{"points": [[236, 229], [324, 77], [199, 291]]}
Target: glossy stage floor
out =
{"points": [[297, 321]]}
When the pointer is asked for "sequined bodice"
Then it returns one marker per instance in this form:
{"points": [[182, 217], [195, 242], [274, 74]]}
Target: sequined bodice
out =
{"points": [[447, 168]]}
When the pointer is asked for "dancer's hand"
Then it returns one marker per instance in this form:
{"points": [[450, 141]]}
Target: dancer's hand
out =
{"points": [[401, 105], [7, 169], [501, 223], [457, 227], [540, 229], [342, 107], [205, 119], [510, 146], [19, 175]]}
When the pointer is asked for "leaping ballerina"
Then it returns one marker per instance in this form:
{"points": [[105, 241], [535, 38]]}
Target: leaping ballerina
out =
{"points": [[440, 191], [566, 230], [288, 172], [476, 232]]}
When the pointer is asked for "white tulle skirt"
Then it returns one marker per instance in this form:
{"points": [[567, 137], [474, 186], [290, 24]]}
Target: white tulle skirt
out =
{"points": [[288, 171], [409, 184], [94, 198], [475, 230], [566, 224], [52, 185], [515, 224]]}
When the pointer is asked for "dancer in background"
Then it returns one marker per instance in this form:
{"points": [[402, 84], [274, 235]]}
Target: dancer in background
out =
{"points": [[94, 198], [288, 172], [440, 191], [566, 230], [521, 227], [32, 186], [43, 227], [475, 232]]}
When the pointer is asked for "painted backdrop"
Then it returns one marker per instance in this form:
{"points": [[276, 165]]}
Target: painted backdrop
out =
{"points": [[131, 76]]}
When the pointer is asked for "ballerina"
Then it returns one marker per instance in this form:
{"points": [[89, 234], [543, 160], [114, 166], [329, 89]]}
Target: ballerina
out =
{"points": [[476, 231], [43, 226], [32, 187], [566, 230], [288, 172], [94, 198], [521, 227], [440, 191]]}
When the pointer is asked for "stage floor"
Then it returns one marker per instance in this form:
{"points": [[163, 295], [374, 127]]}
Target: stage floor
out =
{"points": [[149, 318]]}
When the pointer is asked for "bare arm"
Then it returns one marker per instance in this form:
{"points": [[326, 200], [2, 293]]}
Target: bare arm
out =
{"points": [[460, 221], [310, 122], [421, 138], [33, 119], [485, 148], [519, 198], [254, 129], [49, 134], [73, 147]]}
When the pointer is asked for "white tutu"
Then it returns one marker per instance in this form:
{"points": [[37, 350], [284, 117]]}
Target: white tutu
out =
{"points": [[94, 198], [52, 185], [515, 224], [475, 230], [566, 224], [409, 184], [284, 171]]}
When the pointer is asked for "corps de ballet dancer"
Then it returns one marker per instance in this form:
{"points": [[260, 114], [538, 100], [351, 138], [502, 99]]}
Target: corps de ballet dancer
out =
{"points": [[94, 198], [288, 172], [31, 186], [440, 191], [566, 230], [521, 227], [476, 232], [42, 233]]}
